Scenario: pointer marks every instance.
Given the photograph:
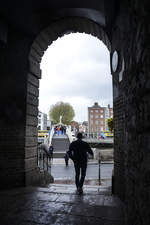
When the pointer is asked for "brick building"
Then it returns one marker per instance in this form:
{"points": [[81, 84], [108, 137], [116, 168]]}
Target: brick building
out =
{"points": [[97, 117]]}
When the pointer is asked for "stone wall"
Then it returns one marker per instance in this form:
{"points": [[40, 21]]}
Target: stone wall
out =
{"points": [[12, 110], [18, 120], [131, 35], [105, 154]]}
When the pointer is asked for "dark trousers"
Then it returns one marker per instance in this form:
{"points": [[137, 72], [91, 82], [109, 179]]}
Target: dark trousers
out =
{"points": [[80, 169], [66, 161]]}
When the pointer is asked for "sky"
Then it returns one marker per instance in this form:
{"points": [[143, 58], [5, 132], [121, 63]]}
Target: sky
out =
{"points": [[76, 70]]}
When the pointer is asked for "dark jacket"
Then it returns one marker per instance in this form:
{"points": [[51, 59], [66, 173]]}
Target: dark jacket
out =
{"points": [[78, 151], [51, 149]]}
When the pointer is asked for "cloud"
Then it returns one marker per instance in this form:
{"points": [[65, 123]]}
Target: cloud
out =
{"points": [[76, 69]]}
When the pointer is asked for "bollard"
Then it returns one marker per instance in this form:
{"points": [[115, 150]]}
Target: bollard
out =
{"points": [[50, 165], [99, 169]]}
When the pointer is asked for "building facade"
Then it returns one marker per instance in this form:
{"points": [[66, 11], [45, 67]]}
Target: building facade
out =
{"points": [[75, 127], [49, 124], [97, 118], [42, 121], [85, 127]]}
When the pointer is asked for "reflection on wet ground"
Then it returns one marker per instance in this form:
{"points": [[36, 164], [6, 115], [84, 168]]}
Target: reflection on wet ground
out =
{"points": [[60, 205]]}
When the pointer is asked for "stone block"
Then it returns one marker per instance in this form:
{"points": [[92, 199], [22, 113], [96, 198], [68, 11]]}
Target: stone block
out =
{"points": [[31, 131], [31, 152], [38, 47], [42, 43], [105, 154], [44, 40], [32, 110], [33, 80], [35, 55], [31, 141], [32, 99], [32, 89], [34, 68], [30, 163], [31, 120]]}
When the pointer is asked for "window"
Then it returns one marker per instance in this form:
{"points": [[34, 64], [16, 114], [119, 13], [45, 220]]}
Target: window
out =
{"points": [[101, 128], [101, 116], [91, 121], [102, 111], [91, 111], [96, 122], [101, 122], [96, 116], [96, 111], [91, 116]]}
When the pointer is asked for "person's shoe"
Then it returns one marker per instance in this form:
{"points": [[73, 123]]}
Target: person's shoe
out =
{"points": [[80, 190]]}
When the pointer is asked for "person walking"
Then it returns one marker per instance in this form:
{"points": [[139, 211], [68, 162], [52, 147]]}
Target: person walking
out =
{"points": [[66, 156], [78, 153], [51, 149], [58, 130], [64, 130]]}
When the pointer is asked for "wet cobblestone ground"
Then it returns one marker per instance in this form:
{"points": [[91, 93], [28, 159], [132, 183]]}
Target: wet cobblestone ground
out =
{"points": [[60, 205]]}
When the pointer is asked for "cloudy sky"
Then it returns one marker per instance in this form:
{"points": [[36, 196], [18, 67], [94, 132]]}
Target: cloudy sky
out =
{"points": [[75, 69]]}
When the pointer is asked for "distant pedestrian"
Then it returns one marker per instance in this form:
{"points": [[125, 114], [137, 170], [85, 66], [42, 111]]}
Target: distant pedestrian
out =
{"points": [[55, 130], [66, 156], [51, 149], [78, 153], [64, 130], [58, 130]]}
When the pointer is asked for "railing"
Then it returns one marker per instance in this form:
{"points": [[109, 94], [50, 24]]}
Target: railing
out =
{"points": [[69, 134], [43, 157], [51, 135], [99, 135], [46, 141]]}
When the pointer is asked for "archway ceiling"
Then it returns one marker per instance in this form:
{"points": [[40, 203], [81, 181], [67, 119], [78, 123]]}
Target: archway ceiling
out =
{"points": [[30, 16]]}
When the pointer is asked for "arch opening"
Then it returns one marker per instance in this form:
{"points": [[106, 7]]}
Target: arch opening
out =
{"points": [[75, 70], [50, 34]]}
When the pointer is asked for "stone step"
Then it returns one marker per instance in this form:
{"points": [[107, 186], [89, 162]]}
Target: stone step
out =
{"points": [[60, 144], [59, 154]]}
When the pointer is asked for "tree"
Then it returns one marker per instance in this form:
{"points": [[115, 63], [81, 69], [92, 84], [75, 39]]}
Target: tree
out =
{"points": [[62, 109], [110, 123]]}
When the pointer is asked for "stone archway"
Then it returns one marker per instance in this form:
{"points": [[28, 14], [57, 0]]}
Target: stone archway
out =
{"points": [[127, 24], [38, 47]]}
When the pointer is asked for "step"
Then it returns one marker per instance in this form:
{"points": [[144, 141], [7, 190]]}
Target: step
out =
{"points": [[59, 154]]}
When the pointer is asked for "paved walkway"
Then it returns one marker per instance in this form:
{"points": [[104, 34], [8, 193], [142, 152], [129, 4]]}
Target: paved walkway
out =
{"points": [[60, 205], [92, 161]]}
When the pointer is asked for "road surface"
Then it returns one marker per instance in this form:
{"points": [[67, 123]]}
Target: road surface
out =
{"points": [[59, 171]]}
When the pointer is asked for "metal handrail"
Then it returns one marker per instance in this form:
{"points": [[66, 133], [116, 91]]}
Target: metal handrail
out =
{"points": [[69, 134], [43, 157], [51, 135]]}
